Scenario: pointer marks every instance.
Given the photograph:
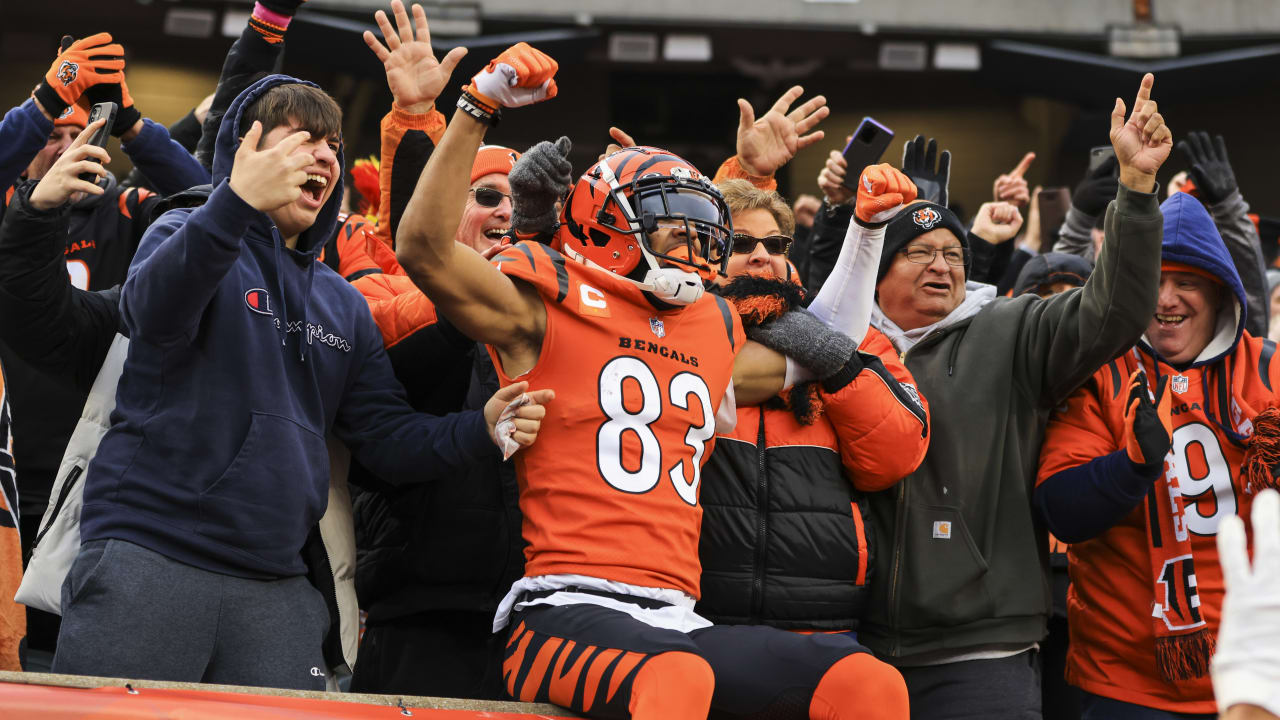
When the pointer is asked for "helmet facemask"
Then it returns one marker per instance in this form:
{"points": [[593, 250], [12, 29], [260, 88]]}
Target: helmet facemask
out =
{"points": [[692, 210]]}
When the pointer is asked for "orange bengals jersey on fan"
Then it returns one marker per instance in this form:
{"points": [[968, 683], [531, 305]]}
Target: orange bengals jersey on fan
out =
{"points": [[610, 488], [1109, 603]]}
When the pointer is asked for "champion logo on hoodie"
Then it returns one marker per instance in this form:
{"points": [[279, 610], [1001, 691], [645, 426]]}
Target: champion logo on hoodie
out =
{"points": [[258, 301]]}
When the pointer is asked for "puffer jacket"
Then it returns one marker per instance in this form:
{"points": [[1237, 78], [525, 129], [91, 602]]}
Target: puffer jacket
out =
{"points": [[784, 541]]}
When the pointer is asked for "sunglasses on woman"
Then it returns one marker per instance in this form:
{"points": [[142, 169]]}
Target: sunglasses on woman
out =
{"points": [[773, 244], [488, 197]]}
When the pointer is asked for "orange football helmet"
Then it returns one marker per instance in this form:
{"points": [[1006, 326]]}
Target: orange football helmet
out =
{"points": [[615, 206]]}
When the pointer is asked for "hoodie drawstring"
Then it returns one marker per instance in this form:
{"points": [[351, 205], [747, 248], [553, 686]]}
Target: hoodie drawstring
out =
{"points": [[304, 339], [283, 327], [304, 344]]}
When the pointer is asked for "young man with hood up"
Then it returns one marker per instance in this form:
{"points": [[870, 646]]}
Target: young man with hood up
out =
{"points": [[245, 352], [1139, 488]]}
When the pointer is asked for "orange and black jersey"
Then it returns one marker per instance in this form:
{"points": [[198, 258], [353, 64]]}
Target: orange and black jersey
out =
{"points": [[1109, 602], [610, 490]]}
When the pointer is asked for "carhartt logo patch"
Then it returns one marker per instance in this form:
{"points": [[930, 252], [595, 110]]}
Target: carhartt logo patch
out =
{"points": [[258, 301], [941, 530]]}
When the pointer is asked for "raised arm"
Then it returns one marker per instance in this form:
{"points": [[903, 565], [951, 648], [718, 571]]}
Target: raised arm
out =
{"points": [[26, 128], [474, 295], [183, 257], [1073, 334], [414, 125]]}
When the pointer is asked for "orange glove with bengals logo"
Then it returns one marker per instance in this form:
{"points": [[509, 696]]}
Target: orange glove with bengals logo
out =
{"points": [[1148, 426], [521, 75], [882, 191], [77, 68]]}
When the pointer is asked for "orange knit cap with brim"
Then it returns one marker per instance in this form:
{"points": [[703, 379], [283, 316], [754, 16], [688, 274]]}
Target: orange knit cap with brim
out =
{"points": [[74, 115], [493, 159], [1173, 266]]}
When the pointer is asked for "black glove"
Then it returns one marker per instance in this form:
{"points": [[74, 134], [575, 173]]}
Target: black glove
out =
{"points": [[1210, 168], [1098, 188], [539, 179], [1148, 429], [918, 164], [801, 336], [117, 92]]}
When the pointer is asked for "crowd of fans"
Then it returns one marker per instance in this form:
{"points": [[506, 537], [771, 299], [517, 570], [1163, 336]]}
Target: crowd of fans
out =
{"points": [[455, 444]]}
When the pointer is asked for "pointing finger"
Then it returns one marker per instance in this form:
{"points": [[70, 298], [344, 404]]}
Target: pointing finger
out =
{"points": [[1025, 163], [1144, 92]]}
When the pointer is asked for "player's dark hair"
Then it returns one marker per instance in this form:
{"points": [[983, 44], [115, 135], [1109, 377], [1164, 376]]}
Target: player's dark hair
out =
{"points": [[310, 108]]}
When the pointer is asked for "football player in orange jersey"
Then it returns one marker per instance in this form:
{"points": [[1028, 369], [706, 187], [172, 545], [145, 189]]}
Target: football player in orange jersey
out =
{"points": [[1138, 486], [613, 314]]}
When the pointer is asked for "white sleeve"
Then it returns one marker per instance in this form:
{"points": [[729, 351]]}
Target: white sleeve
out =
{"points": [[727, 413], [844, 303]]}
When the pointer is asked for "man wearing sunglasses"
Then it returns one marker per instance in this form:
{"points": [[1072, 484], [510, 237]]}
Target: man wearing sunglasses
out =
{"points": [[486, 217]]}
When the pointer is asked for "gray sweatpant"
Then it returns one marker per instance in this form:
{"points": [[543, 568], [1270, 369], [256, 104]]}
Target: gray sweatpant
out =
{"points": [[132, 612]]}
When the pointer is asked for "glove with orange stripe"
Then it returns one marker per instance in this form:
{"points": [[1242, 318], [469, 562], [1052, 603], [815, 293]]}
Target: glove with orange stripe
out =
{"points": [[882, 191], [1148, 426], [521, 75], [80, 66]]}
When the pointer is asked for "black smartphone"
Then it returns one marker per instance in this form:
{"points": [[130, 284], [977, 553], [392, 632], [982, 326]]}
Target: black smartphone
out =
{"points": [[1099, 155], [101, 110], [866, 147]]}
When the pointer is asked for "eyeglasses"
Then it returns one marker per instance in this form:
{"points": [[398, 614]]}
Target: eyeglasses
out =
{"points": [[773, 244], [488, 197], [924, 255]]}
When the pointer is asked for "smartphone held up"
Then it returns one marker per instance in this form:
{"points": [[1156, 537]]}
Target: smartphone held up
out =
{"points": [[100, 111], [865, 148]]}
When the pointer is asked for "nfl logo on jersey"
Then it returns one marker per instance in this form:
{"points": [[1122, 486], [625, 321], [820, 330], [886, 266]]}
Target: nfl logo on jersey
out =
{"points": [[657, 327], [1179, 383]]}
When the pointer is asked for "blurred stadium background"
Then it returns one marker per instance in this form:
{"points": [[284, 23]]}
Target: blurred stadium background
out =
{"points": [[991, 79]]}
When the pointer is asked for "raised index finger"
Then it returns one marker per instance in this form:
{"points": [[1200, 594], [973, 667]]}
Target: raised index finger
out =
{"points": [[1144, 92], [1023, 164]]}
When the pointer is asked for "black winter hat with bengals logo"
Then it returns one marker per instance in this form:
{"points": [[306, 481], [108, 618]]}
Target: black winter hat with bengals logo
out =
{"points": [[914, 221]]}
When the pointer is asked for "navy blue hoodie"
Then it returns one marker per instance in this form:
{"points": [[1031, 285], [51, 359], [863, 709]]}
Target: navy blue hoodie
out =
{"points": [[243, 355]]}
